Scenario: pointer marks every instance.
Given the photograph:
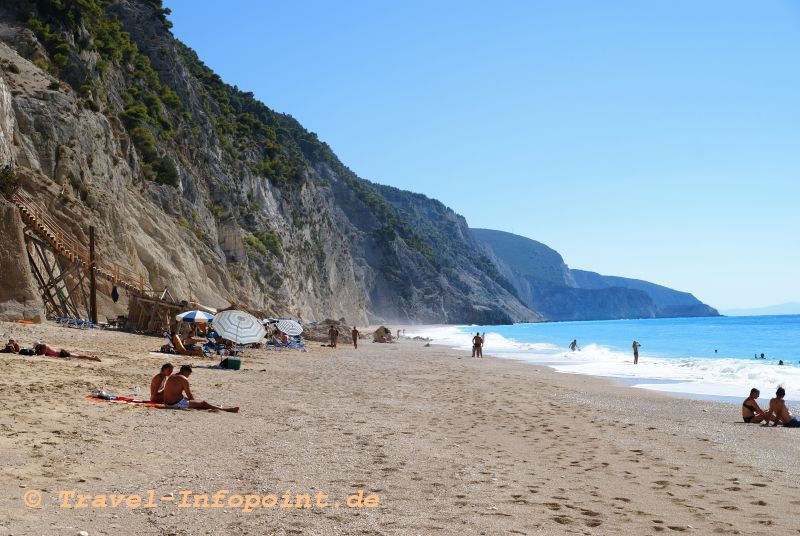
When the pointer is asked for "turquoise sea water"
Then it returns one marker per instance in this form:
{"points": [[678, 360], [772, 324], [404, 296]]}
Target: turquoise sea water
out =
{"points": [[777, 337], [677, 354]]}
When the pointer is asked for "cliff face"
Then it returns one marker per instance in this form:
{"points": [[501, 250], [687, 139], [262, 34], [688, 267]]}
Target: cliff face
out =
{"points": [[19, 299], [110, 121], [547, 285]]}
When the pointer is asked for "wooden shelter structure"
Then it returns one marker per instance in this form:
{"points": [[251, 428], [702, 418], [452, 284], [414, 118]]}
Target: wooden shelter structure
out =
{"points": [[153, 312]]}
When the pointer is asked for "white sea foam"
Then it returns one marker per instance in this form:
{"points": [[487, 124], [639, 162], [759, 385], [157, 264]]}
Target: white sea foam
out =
{"points": [[697, 376]]}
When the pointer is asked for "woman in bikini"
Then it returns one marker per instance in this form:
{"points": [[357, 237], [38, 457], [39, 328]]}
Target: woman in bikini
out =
{"points": [[751, 411], [43, 349]]}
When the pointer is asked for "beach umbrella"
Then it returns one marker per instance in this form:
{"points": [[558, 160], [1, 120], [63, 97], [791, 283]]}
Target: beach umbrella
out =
{"points": [[238, 326], [290, 327], [201, 317]]}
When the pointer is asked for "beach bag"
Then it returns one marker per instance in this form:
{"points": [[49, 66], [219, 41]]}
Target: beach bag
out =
{"points": [[167, 349], [232, 363]]}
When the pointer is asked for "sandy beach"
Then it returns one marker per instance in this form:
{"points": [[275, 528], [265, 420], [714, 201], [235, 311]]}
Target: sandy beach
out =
{"points": [[444, 443]]}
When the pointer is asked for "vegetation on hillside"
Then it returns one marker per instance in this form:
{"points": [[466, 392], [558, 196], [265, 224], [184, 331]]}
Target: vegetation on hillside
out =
{"points": [[72, 31]]}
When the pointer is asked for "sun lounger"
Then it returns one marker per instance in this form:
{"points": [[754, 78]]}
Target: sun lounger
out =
{"points": [[77, 323]]}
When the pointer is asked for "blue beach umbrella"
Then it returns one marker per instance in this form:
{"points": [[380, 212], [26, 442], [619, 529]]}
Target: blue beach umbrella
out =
{"points": [[239, 327], [201, 317]]}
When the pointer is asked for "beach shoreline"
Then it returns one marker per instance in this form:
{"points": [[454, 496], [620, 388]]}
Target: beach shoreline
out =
{"points": [[449, 444], [673, 369]]}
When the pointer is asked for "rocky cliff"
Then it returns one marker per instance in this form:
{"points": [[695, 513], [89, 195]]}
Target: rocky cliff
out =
{"points": [[109, 121], [546, 284]]}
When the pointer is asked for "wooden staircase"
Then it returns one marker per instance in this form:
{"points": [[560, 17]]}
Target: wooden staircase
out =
{"points": [[37, 218]]}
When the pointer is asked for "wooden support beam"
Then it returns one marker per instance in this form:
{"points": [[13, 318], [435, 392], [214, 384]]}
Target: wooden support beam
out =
{"points": [[92, 282]]}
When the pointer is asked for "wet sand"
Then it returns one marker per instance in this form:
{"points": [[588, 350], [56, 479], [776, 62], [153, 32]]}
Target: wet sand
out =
{"points": [[448, 444]]}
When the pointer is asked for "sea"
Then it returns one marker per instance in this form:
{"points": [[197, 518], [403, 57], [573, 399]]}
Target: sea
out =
{"points": [[713, 357]]}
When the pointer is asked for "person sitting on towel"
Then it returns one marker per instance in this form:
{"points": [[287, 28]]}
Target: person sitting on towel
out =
{"points": [[280, 339], [158, 383], [181, 349], [751, 411], [779, 413], [11, 347], [42, 349], [178, 394]]}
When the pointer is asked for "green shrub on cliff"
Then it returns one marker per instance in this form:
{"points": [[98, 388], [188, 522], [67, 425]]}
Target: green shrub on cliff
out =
{"points": [[270, 239], [8, 181], [166, 172]]}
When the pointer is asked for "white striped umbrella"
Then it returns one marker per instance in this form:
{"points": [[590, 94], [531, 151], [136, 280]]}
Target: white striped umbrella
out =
{"points": [[201, 317], [290, 327], [238, 326]]}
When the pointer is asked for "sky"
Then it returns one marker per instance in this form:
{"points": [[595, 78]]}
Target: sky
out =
{"points": [[657, 140]]}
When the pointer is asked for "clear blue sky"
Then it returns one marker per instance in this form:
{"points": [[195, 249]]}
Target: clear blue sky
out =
{"points": [[658, 140]]}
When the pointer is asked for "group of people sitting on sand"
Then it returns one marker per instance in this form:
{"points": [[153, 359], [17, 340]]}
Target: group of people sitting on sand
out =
{"points": [[174, 392], [40, 348], [777, 412]]}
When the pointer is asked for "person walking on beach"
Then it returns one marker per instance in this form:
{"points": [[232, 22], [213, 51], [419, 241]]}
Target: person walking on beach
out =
{"points": [[573, 345], [779, 413], [333, 336], [751, 411], [158, 383], [354, 334], [477, 345], [636, 346], [178, 394]]}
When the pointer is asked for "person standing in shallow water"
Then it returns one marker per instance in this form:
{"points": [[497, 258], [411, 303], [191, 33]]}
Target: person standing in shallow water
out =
{"points": [[477, 345], [573, 345], [354, 334], [636, 346]]}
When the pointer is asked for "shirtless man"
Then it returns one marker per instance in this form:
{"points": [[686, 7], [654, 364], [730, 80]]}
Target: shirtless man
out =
{"points": [[158, 382], [751, 411], [178, 395], [477, 345], [779, 413], [636, 346], [354, 334], [333, 337]]}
